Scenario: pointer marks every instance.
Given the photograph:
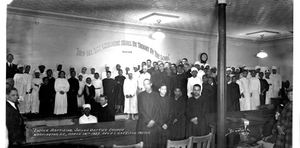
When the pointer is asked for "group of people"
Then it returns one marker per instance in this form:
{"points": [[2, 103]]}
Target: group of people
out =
{"points": [[164, 95]]}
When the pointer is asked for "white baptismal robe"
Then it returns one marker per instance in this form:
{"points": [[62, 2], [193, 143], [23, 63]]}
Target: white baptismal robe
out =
{"points": [[254, 85], [269, 93], [141, 79], [130, 104], [245, 102], [277, 84], [87, 119], [98, 88]]}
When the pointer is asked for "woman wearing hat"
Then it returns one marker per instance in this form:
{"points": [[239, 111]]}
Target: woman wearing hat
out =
{"points": [[20, 85], [61, 87]]}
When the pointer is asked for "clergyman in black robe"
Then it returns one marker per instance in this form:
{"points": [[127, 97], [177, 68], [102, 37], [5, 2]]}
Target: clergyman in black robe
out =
{"points": [[178, 107], [195, 114], [160, 77], [213, 95], [148, 116], [105, 112], [72, 94], [233, 96], [109, 86], [264, 87], [165, 116], [119, 91]]}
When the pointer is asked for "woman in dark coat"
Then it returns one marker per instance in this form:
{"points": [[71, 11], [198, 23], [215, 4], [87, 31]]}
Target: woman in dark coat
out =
{"points": [[284, 125]]}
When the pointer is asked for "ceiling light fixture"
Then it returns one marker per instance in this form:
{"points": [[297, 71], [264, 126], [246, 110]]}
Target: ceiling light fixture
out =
{"points": [[158, 35], [262, 54], [164, 18]]}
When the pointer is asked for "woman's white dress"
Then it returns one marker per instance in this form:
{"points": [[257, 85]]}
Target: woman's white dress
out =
{"points": [[61, 102], [35, 101], [80, 100], [20, 85], [130, 104]]}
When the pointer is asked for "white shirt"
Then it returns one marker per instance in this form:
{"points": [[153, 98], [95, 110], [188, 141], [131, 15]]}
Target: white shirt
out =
{"points": [[200, 74], [87, 119], [141, 79], [276, 80], [254, 85], [191, 82], [12, 104]]}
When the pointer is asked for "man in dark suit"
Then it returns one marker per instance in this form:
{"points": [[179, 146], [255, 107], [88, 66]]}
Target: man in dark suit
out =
{"points": [[14, 122], [11, 69], [105, 112]]}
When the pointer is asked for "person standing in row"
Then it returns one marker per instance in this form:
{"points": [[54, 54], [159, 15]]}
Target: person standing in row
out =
{"points": [[11, 68], [192, 81], [130, 88], [165, 116], [61, 87], [97, 82], [269, 93], [72, 94], [119, 91], [254, 86], [178, 108], [80, 95], [109, 88], [46, 97], [35, 85], [148, 116], [195, 113], [245, 102], [27, 97], [21, 86], [89, 94], [277, 81], [264, 87]]}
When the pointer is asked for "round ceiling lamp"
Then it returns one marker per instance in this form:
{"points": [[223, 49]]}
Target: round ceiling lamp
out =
{"points": [[158, 35], [262, 54]]}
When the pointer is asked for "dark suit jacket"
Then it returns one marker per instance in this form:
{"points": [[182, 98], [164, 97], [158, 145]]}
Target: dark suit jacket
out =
{"points": [[11, 71], [14, 124], [106, 114]]}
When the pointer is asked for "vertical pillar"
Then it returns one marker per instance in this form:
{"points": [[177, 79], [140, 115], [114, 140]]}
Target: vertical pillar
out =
{"points": [[222, 87]]}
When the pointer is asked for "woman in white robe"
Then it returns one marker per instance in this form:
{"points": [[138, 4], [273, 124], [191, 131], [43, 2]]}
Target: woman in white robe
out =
{"points": [[61, 87], [245, 102], [192, 81], [80, 96], [270, 92], [20, 85], [35, 85], [27, 98], [130, 93], [254, 85], [98, 87]]}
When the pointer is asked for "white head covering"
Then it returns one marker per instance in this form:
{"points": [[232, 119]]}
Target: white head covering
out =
{"points": [[20, 65], [206, 64], [130, 71], [194, 69], [197, 63], [228, 69], [107, 65], [274, 67], [257, 67], [35, 71], [86, 106], [267, 71]]}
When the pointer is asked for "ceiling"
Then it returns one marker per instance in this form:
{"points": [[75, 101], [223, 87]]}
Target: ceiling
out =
{"points": [[195, 16]]}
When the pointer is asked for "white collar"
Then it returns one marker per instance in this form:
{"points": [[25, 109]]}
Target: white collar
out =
{"points": [[105, 105], [12, 104], [89, 85]]}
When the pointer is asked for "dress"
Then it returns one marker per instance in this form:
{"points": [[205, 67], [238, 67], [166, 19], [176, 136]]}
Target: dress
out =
{"points": [[80, 100], [130, 105], [119, 90], [254, 86], [285, 121], [245, 102], [97, 83], [27, 97], [21, 86], [87, 119], [72, 96], [270, 92], [233, 97], [61, 102], [46, 97], [277, 83], [35, 101]]}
